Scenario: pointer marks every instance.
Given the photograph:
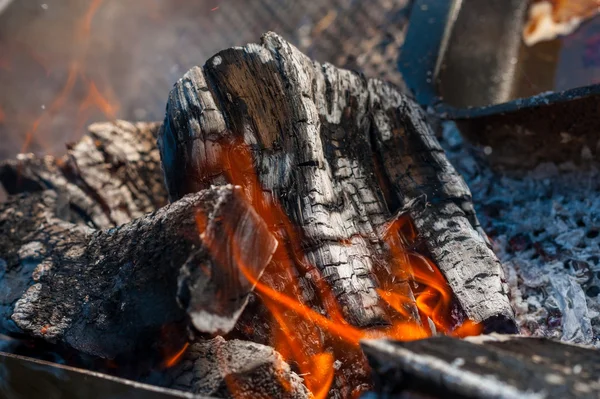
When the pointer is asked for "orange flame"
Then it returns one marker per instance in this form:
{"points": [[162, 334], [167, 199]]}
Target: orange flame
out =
{"points": [[95, 98], [86, 24], [75, 73], [57, 103], [306, 338], [174, 359]]}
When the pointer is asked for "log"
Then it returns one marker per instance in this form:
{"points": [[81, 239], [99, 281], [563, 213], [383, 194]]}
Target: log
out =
{"points": [[236, 369], [441, 206], [110, 292], [111, 176], [484, 367], [343, 155]]}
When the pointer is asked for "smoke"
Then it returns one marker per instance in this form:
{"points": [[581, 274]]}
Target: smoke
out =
{"points": [[67, 63]]}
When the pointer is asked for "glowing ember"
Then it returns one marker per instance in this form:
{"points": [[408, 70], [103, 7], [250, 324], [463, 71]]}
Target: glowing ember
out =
{"points": [[311, 341]]}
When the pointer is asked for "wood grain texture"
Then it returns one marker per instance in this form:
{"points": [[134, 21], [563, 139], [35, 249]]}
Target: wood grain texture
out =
{"points": [[342, 154], [109, 292], [111, 176]]}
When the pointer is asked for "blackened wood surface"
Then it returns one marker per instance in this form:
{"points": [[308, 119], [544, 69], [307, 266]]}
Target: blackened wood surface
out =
{"points": [[236, 369], [109, 292], [342, 154], [485, 367], [111, 176], [437, 198]]}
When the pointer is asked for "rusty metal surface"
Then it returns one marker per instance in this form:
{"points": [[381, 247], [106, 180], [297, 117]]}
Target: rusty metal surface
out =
{"points": [[66, 63]]}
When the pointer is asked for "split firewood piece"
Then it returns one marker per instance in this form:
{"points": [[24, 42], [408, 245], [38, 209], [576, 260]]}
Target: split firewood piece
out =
{"points": [[111, 176], [343, 154], [236, 369], [485, 367], [436, 197], [109, 292]]}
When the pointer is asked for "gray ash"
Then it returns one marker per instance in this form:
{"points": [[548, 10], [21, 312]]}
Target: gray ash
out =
{"points": [[544, 225]]}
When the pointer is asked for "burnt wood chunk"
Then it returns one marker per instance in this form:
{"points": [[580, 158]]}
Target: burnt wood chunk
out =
{"points": [[111, 176], [343, 155], [425, 183], [236, 369], [485, 367], [109, 292]]}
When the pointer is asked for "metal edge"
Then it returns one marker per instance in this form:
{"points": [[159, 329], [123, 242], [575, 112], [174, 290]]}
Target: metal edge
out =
{"points": [[60, 373], [430, 22], [529, 103]]}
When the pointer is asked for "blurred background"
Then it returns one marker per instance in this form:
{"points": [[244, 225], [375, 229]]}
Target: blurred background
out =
{"points": [[67, 63]]}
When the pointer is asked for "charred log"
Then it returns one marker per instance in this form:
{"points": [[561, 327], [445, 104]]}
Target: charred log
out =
{"points": [[111, 176], [236, 369], [427, 186], [109, 292], [342, 154], [485, 367]]}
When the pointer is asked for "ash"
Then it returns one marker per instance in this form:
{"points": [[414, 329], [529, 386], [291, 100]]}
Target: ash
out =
{"points": [[545, 228]]}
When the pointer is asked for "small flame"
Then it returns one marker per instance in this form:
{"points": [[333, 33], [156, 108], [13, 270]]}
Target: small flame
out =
{"points": [[75, 74], [56, 105], [174, 359], [96, 99], [86, 23], [306, 338]]}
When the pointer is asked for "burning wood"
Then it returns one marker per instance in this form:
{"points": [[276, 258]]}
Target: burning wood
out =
{"points": [[349, 223], [236, 369], [337, 166], [342, 155], [106, 292], [109, 292]]}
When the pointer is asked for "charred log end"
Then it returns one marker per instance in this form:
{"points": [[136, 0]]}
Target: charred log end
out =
{"points": [[213, 283], [112, 292]]}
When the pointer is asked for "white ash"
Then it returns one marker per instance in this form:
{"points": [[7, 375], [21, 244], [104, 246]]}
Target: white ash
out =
{"points": [[545, 228]]}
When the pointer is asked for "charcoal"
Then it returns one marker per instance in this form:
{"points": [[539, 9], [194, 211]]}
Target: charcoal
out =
{"points": [[236, 369], [111, 292]]}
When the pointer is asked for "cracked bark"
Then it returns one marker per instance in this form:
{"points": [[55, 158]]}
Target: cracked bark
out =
{"points": [[342, 154], [67, 275], [111, 176], [111, 292]]}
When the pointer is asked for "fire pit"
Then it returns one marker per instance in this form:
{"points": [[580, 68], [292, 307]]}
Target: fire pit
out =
{"points": [[293, 229]]}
